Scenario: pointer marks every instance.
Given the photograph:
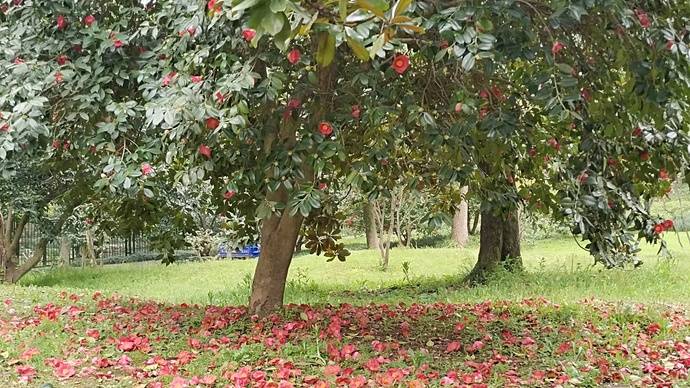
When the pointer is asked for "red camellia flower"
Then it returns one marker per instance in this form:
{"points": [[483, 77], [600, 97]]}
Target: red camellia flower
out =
{"points": [[214, 6], [668, 224], [18, 61], [443, 45], [326, 129], [637, 131], [356, 112], [146, 169], [644, 155], [229, 194], [401, 63], [5, 127], [205, 151], [663, 174], [212, 123], [532, 152], [557, 47], [93, 333], [26, 373], [294, 56], [220, 97], [670, 44], [118, 43], [583, 177], [554, 144], [197, 79], [89, 20], [483, 112], [586, 94], [58, 77], [248, 34], [659, 229], [63, 370], [191, 30], [484, 94], [458, 107], [643, 18], [323, 186], [294, 103], [498, 93], [61, 23], [62, 59], [453, 346], [56, 144], [168, 78]]}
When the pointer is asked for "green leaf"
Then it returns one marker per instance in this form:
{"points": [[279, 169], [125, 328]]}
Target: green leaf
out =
{"points": [[245, 4], [278, 5], [400, 7], [326, 51], [485, 24], [370, 6], [378, 45], [565, 68], [358, 48], [468, 62], [273, 23], [342, 7]]}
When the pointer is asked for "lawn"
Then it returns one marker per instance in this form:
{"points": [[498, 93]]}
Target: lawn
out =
{"points": [[562, 322], [556, 269]]}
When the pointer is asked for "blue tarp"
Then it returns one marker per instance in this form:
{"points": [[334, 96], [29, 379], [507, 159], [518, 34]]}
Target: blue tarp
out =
{"points": [[247, 251]]}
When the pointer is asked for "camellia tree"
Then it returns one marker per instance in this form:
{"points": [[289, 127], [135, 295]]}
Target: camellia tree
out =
{"points": [[575, 108]]}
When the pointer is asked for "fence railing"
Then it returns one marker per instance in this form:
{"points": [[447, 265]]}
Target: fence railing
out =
{"points": [[105, 248]]}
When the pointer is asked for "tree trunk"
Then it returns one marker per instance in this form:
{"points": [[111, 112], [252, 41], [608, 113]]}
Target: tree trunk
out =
{"points": [[460, 229], [10, 236], [499, 245], [385, 234], [278, 241], [370, 225], [65, 250], [299, 244], [90, 247], [475, 223], [14, 272], [510, 251]]}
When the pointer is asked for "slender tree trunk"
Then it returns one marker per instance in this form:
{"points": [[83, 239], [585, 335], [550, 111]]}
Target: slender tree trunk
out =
{"points": [[460, 229], [475, 223], [299, 244], [370, 225], [65, 250], [499, 246], [379, 215], [90, 248]]}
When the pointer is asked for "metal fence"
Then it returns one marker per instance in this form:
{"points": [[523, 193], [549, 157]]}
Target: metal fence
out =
{"points": [[106, 248]]}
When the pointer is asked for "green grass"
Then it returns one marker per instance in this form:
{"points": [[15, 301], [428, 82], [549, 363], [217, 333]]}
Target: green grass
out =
{"points": [[556, 269]]}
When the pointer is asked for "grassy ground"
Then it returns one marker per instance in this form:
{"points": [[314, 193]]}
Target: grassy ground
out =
{"points": [[94, 340], [557, 270]]}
